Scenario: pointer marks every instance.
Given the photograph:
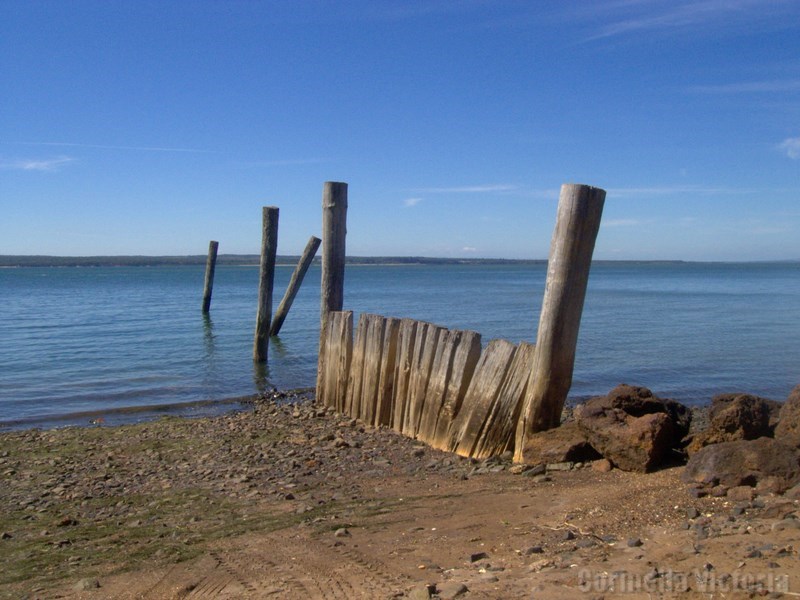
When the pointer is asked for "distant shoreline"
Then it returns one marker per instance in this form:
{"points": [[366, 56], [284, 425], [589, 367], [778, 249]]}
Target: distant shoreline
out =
{"points": [[247, 260]]}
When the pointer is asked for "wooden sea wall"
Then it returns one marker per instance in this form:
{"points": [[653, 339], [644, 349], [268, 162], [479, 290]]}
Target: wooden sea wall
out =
{"points": [[430, 383]]}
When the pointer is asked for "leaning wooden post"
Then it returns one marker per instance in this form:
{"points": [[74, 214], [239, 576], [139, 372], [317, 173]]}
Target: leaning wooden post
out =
{"points": [[211, 263], [334, 232], [580, 208], [294, 284], [269, 248]]}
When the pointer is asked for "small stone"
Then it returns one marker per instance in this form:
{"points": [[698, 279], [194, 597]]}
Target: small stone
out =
{"points": [[602, 466], [341, 532], [422, 592], [451, 589], [419, 452], [533, 550], [488, 578], [535, 471], [5, 536], [86, 584], [289, 496], [634, 542], [476, 556], [692, 513], [568, 535], [561, 466]]}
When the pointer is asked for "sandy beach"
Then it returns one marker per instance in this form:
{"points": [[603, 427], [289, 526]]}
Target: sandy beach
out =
{"points": [[292, 501]]}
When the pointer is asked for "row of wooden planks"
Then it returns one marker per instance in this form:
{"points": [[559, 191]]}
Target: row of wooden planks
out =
{"points": [[430, 383]]}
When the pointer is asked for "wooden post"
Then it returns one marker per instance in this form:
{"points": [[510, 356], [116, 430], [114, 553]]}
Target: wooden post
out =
{"points": [[294, 284], [580, 209], [269, 248], [334, 232], [211, 263]]}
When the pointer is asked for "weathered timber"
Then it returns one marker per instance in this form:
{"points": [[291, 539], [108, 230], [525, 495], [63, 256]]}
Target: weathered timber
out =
{"points": [[497, 434], [465, 360], [334, 233], [483, 391], [406, 340], [211, 264], [352, 404], [266, 280], [580, 209], [295, 282], [371, 374], [333, 368], [453, 352], [426, 343], [384, 408]]}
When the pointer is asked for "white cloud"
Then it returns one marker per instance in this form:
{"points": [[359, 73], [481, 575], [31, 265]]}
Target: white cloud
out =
{"points": [[409, 202], [791, 146], [469, 249], [52, 164]]}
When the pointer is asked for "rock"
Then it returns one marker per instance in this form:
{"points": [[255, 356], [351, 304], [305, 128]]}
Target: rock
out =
{"points": [[733, 417], [535, 471], [476, 556], [450, 590], [602, 466], [566, 443], [561, 466], [741, 493], [634, 542], [86, 584], [533, 550], [745, 462], [639, 440], [788, 428], [341, 532], [422, 592]]}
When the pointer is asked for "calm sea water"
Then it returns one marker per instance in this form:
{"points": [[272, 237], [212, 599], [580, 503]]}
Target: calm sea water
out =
{"points": [[94, 339]]}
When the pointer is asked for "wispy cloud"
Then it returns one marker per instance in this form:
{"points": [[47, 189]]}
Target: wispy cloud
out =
{"points": [[287, 162], [409, 202], [469, 189], [49, 164], [469, 249], [677, 189], [114, 147], [628, 17], [791, 146], [749, 87], [620, 223]]}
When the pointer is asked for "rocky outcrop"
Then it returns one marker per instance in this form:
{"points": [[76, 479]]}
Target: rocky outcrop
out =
{"points": [[764, 463], [566, 443], [734, 417], [788, 428], [632, 428]]}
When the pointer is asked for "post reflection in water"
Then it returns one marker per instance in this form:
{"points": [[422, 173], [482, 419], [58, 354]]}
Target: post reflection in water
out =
{"points": [[261, 376], [208, 338]]}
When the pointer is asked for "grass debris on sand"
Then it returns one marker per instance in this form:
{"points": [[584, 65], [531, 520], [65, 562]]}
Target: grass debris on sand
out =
{"points": [[290, 500]]}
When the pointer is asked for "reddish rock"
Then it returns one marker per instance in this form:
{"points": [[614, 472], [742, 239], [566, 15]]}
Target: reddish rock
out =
{"points": [[632, 428], [566, 443], [788, 428], [764, 461], [734, 417]]}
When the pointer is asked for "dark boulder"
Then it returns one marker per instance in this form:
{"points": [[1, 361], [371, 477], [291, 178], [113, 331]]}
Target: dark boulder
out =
{"points": [[788, 428], [761, 462], [632, 428]]}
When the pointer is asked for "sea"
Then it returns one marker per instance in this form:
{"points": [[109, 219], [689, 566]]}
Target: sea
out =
{"points": [[118, 344]]}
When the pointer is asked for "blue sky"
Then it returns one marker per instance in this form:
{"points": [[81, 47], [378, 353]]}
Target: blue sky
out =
{"points": [[152, 127]]}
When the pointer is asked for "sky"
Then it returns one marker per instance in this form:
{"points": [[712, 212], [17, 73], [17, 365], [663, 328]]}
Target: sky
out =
{"points": [[151, 127]]}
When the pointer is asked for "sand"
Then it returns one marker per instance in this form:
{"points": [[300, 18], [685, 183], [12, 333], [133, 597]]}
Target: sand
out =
{"points": [[290, 501]]}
